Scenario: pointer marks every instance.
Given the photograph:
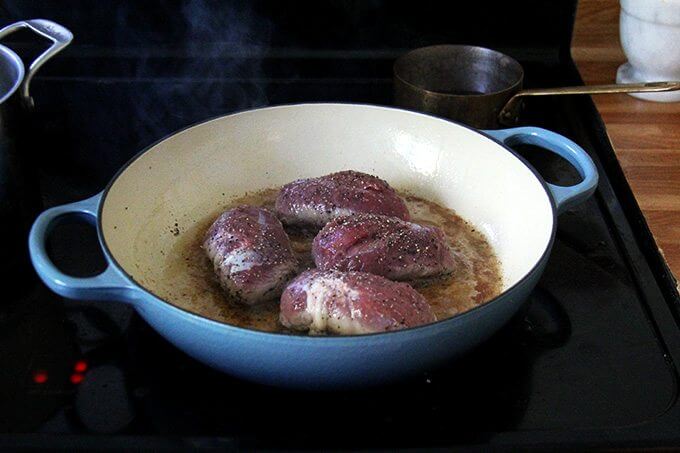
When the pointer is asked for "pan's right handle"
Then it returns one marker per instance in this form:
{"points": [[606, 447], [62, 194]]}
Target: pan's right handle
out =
{"points": [[565, 197], [111, 284], [60, 37]]}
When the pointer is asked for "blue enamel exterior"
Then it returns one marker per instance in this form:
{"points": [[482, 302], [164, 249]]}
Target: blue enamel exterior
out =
{"points": [[313, 362]]}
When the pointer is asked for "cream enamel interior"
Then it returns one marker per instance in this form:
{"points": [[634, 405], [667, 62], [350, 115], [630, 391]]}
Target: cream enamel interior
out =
{"points": [[193, 173]]}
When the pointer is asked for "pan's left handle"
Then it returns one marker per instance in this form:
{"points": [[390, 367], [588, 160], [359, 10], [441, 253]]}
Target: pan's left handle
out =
{"points": [[111, 284], [60, 37]]}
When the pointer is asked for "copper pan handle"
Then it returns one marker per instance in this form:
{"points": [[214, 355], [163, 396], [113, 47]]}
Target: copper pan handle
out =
{"points": [[510, 110]]}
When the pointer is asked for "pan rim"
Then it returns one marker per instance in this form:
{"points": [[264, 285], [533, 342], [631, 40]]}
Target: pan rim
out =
{"points": [[20, 77], [512, 88]]}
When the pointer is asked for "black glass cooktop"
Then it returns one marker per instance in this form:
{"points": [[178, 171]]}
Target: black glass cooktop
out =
{"points": [[591, 361]]}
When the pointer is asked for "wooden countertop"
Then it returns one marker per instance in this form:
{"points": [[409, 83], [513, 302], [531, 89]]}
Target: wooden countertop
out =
{"points": [[645, 135]]}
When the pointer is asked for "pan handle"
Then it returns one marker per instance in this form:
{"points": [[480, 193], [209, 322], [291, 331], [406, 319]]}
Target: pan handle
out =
{"points": [[111, 284], [565, 196], [510, 110], [60, 37]]}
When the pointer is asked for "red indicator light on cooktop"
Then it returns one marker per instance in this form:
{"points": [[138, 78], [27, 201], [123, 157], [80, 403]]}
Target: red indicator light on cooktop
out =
{"points": [[77, 378], [80, 366], [40, 377]]}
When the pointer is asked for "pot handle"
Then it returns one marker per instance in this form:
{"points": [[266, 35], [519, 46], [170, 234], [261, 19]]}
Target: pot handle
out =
{"points": [[565, 196], [111, 284], [60, 37]]}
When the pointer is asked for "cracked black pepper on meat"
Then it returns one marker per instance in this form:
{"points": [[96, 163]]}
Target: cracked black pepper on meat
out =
{"points": [[476, 277]]}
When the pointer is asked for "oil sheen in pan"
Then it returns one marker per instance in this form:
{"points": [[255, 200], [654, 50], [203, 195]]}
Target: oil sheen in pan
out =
{"points": [[476, 279]]}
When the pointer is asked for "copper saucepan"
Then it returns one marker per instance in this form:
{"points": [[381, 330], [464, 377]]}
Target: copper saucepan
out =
{"points": [[478, 86]]}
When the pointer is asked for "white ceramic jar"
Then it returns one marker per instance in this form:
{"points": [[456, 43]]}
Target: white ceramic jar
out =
{"points": [[650, 36]]}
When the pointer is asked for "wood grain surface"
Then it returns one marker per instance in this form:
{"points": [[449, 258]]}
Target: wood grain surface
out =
{"points": [[645, 135]]}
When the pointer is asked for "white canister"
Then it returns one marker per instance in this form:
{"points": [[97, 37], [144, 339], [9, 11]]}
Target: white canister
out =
{"points": [[650, 36]]}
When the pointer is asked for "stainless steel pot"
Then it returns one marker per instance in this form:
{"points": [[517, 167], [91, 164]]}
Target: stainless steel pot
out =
{"points": [[19, 198]]}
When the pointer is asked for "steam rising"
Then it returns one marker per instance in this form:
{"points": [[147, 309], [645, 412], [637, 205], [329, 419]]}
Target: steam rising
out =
{"points": [[216, 69], [136, 72]]}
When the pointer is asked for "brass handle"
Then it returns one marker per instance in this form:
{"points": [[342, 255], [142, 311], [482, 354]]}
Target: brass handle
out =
{"points": [[509, 111]]}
